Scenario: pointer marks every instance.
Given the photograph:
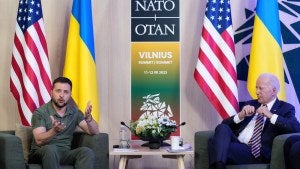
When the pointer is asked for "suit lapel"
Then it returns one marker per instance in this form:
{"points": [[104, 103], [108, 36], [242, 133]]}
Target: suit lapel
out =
{"points": [[273, 110], [275, 107]]}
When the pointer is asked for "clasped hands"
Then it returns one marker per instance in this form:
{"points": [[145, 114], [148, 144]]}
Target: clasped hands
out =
{"points": [[249, 110]]}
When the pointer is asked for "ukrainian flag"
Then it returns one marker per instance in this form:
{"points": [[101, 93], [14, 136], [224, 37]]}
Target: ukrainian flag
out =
{"points": [[80, 64], [266, 55]]}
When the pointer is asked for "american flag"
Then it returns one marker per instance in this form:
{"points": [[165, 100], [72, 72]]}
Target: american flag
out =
{"points": [[215, 72], [30, 78]]}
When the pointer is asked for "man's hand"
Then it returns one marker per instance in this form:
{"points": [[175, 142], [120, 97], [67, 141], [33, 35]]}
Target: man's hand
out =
{"points": [[89, 125], [246, 111], [263, 110], [57, 126], [87, 114]]}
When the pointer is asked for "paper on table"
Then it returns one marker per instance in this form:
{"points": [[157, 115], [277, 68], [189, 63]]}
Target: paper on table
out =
{"points": [[125, 150], [185, 147]]}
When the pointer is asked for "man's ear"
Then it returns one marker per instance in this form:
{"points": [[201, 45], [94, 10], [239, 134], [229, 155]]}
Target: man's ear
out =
{"points": [[275, 91]]}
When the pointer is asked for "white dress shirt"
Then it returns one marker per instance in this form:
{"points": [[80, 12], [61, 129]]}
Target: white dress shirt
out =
{"points": [[247, 133]]}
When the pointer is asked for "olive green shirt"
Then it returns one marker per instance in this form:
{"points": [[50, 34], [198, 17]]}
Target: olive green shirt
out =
{"points": [[41, 118]]}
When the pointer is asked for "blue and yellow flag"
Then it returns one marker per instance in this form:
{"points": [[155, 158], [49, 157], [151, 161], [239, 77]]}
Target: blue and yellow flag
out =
{"points": [[266, 55], [80, 64]]}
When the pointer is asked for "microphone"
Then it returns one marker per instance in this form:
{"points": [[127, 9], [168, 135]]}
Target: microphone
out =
{"points": [[122, 123], [181, 124]]}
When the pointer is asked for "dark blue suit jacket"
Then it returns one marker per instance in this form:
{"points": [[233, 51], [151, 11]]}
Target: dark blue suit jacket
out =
{"points": [[286, 123]]}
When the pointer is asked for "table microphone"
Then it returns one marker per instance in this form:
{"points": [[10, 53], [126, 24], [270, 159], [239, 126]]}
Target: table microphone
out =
{"points": [[122, 123], [181, 124]]}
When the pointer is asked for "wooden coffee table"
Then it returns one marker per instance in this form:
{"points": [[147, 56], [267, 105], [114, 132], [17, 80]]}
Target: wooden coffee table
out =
{"points": [[137, 151]]}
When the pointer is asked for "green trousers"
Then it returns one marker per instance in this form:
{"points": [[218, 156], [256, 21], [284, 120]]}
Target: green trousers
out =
{"points": [[51, 157]]}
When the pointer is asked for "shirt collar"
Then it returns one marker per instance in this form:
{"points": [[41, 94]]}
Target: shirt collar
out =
{"points": [[271, 103]]}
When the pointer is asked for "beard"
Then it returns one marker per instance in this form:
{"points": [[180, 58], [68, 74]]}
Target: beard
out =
{"points": [[59, 105]]}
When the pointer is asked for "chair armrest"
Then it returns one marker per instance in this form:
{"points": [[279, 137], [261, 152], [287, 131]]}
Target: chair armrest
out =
{"points": [[277, 157], [11, 152], [201, 151], [100, 145]]}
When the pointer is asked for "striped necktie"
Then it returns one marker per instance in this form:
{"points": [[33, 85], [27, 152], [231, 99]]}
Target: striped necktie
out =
{"points": [[256, 137]]}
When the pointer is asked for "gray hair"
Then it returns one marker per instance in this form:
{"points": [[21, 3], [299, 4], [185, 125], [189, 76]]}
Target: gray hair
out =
{"points": [[273, 80]]}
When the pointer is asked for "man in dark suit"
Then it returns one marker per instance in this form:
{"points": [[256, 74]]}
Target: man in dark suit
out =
{"points": [[234, 139]]}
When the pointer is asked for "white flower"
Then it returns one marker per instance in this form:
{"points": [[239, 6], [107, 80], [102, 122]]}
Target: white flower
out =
{"points": [[147, 127]]}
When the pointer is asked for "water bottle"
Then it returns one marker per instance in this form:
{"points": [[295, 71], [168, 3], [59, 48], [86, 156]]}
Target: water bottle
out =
{"points": [[123, 137]]}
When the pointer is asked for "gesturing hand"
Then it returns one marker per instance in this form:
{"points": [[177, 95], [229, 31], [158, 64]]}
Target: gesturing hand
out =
{"points": [[87, 114], [57, 126]]}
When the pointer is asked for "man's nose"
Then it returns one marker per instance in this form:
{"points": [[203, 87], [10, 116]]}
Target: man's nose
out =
{"points": [[257, 91], [61, 94]]}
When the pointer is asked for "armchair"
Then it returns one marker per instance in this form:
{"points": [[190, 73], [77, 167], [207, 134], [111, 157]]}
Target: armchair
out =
{"points": [[201, 153], [12, 157]]}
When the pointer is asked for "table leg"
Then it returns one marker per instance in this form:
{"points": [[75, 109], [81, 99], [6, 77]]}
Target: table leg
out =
{"points": [[123, 162], [180, 161], [125, 158]]}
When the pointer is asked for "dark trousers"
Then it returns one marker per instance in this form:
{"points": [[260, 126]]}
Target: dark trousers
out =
{"points": [[51, 157], [225, 147], [292, 152]]}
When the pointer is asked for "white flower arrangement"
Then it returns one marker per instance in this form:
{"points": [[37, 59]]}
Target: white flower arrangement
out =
{"points": [[150, 128]]}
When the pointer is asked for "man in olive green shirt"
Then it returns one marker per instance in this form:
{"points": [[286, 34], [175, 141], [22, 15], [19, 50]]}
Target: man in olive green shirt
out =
{"points": [[53, 126]]}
